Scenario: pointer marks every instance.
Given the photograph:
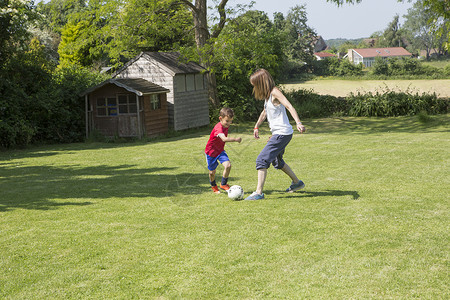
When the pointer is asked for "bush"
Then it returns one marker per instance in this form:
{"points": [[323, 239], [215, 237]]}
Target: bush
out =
{"points": [[334, 66], [41, 105], [403, 67], [380, 104], [391, 104], [311, 105]]}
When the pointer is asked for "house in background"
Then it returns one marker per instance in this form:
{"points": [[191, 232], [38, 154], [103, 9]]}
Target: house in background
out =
{"points": [[319, 44], [187, 98], [323, 55], [367, 56], [126, 108]]}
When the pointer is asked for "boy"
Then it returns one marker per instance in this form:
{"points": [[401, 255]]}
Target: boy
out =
{"points": [[215, 149]]}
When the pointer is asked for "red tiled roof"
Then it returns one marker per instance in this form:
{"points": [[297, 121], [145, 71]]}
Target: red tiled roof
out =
{"points": [[384, 52], [324, 54]]}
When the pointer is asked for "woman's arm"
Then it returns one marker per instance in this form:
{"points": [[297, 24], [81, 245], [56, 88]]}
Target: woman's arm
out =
{"points": [[278, 95], [261, 119]]}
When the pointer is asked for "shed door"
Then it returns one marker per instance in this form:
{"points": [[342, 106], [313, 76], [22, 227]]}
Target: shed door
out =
{"points": [[128, 120], [128, 126]]}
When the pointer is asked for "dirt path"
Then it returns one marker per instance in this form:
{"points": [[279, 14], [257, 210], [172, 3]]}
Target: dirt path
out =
{"points": [[344, 87]]}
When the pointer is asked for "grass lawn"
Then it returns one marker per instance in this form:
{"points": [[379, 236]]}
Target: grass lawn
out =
{"points": [[138, 220], [342, 88], [437, 63]]}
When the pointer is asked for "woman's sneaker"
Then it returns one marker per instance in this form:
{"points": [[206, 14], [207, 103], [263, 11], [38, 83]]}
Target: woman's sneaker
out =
{"points": [[255, 196], [295, 187]]}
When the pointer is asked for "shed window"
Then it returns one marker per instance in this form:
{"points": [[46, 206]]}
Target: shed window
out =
{"points": [[155, 101], [106, 107], [199, 82], [190, 82], [127, 104], [180, 82]]}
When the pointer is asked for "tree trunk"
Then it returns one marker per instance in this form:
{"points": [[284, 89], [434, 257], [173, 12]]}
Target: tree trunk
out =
{"points": [[202, 37]]}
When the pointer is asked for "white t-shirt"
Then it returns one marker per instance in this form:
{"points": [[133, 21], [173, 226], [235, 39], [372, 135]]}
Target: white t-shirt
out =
{"points": [[277, 118]]}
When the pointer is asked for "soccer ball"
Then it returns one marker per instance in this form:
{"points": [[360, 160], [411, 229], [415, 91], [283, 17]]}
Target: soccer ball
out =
{"points": [[236, 192]]}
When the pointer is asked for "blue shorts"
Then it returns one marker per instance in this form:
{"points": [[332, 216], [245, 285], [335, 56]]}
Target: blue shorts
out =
{"points": [[273, 152], [213, 162]]}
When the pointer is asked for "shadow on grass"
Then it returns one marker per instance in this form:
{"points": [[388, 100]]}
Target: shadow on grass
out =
{"points": [[46, 187], [313, 194]]}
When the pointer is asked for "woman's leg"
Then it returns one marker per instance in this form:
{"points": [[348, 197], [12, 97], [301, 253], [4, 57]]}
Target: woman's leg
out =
{"points": [[262, 174]]}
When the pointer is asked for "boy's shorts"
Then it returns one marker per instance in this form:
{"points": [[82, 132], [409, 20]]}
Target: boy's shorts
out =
{"points": [[213, 162], [273, 152]]}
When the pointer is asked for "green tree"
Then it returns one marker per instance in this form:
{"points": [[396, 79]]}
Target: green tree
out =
{"points": [[392, 35], [420, 32], [58, 12], [85, 37], [149, 25], [300, 36], [247, 42], [15, 17]]}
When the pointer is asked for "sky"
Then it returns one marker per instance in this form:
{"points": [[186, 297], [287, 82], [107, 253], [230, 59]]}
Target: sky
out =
{"points": [[347, 21]]}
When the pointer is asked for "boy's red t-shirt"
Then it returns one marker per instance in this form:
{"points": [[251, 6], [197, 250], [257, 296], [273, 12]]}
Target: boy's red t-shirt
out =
{"points": [[215, 145]]}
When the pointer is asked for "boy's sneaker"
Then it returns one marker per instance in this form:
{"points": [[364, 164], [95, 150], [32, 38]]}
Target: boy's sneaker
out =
{"points": [[225, 187], [255, 196], [295, 186], [215, 189]]}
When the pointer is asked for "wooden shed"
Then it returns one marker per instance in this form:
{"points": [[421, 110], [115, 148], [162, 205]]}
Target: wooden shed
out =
{"points": [[187, 99], [126, 108]]}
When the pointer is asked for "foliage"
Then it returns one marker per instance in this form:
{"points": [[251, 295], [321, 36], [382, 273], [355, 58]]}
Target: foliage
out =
{"points": [[15, 16], [392, 35], [39, 103], [334, 66], [403, 67], [86, 34], [311, 105], [58, 12], [149, 26], [384, 103], [391, 103], [248, 42]]}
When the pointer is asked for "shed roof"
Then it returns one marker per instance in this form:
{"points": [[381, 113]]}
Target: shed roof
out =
{"points": [[171, 60], [138, 86], [324, 54], [383, 52]]}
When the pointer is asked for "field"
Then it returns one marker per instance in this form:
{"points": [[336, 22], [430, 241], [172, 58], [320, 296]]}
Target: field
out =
{"points": [[342, 88], [138, 220]]}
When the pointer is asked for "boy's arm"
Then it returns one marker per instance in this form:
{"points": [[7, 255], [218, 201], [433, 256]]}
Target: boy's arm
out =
{"points": [[283, 100], [228, 139], [261, 119]]}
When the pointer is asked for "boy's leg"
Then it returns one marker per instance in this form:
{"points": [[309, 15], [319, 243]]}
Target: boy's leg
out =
{"points": [[212, 176], [225, 161], [212, 165], [226, 172], [226, 169]]}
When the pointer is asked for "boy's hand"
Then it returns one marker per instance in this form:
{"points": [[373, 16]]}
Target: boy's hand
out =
{"points": [[238, 140]]}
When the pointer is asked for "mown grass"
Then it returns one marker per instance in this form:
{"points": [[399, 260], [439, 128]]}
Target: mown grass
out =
{"points": [[342, 88], [121, 221]]}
